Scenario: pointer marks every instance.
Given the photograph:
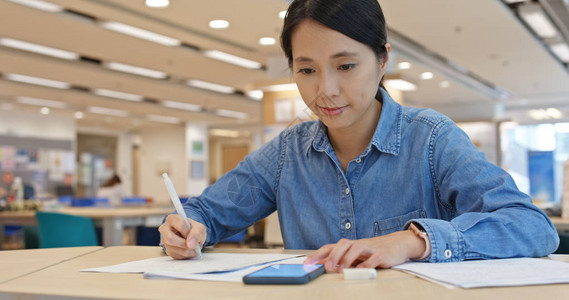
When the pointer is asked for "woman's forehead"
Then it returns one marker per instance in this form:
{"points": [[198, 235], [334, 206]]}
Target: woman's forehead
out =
{"points": [[314, 40]]}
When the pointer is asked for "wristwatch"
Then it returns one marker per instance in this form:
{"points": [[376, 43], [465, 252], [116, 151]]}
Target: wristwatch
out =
{"points": [[420, 232]]}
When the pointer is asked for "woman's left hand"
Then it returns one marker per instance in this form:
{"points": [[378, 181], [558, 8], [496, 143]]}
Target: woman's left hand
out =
{"points": [[382, 251]]}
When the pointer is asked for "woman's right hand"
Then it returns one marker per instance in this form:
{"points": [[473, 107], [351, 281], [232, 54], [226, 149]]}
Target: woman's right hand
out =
{"points": [[178, 240]]}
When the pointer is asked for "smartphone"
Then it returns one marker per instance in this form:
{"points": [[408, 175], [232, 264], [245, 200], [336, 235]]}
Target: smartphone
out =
{"points": [[284, 274]]}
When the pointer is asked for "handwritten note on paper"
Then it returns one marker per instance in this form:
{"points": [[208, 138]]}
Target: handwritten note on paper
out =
{"points": [[210, 262], [491, 273]]}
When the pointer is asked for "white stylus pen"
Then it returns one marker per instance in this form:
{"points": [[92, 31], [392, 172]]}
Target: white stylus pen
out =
{"points": [[178, 205]]}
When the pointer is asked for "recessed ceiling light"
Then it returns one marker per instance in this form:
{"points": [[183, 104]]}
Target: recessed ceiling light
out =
{"points": [[400, 84], [282, 14], [107, 111], [218, 24], [31, 47], [267, 41], [42, 5], [554, 113], [163, 119], [78, 115], [404, 65], [40, 102], [211, 86], [444, 84], [231, 114], [255, 94], [136, 70], [232, 59], [157, 3], [44, 111], [181, 105], [280, 87], [427, 75], [141, 33], [117, 95], [38, 81]]}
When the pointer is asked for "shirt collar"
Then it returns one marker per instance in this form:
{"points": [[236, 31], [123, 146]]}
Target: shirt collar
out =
{"points": [[387, 135]]}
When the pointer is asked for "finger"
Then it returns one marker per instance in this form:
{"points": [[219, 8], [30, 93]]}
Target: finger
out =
{"points": [[375, 261], [180, 253], [170, 237], [197, 235], [337, 254], [357, 252], [318, 255]]}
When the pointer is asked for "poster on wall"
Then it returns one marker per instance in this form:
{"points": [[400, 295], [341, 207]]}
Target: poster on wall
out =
{"points": [[8, 158], [197, 169], [56, 169], [197, 148]]}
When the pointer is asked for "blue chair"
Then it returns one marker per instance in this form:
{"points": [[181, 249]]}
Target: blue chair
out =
{"points": [[60, 230]]}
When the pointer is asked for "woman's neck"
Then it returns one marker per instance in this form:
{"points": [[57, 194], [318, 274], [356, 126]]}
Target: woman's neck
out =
{"points": [[351, 141]]}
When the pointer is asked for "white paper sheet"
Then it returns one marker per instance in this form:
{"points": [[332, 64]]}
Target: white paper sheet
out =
{"points": [[231, 276], [491, 273], [210, 262]]}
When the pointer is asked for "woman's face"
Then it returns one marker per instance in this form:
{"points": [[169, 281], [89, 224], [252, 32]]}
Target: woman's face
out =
{"points": [[337, 76]]}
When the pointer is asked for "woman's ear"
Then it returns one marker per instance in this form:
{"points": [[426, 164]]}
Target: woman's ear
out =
{"points": [[386, 57]]}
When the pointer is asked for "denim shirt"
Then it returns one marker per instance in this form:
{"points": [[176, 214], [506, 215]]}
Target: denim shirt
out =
{"points": [[419, 166]]}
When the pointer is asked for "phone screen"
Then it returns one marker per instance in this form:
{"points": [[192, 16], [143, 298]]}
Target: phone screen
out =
{"points": [[285, 274]]}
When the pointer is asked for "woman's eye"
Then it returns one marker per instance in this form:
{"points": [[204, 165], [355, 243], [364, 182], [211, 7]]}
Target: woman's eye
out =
{"points": [[347, 67], [306, 71]]}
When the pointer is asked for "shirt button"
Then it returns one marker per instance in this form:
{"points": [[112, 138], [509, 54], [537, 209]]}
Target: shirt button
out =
{"points": [[347, 191], [348, 225], [448, 253], [359, 160]]}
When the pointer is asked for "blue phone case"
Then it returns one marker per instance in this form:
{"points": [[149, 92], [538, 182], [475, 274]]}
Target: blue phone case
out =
{"points": [[284, 274]]}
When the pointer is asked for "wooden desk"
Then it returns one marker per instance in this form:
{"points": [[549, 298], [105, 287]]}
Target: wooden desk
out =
{"points": [[560, 224], [65, 280], [20, 262], [112, 220]]}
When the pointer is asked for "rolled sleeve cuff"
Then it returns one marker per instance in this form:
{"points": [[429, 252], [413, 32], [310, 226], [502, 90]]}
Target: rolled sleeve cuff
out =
{"points": [[447, 242]]}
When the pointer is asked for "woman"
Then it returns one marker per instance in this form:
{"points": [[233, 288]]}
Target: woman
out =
{"points": [[371, 183]]}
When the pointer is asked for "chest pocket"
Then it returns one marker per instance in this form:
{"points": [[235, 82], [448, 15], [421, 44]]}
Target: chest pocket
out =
{"points": [[390, 225]]}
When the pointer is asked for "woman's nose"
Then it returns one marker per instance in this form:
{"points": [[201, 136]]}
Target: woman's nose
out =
{"points": [[328, 85]]}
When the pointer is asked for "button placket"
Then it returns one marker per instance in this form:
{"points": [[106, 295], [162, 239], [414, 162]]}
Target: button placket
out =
{"points": [[347, 191]]}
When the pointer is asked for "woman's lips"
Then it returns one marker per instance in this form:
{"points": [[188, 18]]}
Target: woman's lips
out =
{"points": [[332, 111]]}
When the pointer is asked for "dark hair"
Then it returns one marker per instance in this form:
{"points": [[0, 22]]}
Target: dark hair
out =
{"points": [[112, 181], [360, 20]]}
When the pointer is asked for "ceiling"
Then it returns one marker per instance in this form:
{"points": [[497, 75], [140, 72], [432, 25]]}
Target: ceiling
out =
{"points": [[488, 57]]}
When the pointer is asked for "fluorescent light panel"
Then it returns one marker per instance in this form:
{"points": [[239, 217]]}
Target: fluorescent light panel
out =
{"points": [[231, 114], [40, 102], [107, 111], [535, 17], [280, 87], [157, 3], [218, 24], [136, 70], [181, 105], [17, 44], [255, 94], [141, 33], [44, 111], [561, 50], [38, 81], [267, 41], [232, 59], [400, 84], [211, 86], [163, 119], [42, 5], [118, 95]]}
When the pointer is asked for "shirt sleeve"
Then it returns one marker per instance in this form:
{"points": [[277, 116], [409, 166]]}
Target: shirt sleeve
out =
{"points": [[484, 215], [242, 196]]}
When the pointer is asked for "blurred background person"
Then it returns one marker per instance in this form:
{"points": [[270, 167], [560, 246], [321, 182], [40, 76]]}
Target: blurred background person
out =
{"points": [[113, 190]]}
